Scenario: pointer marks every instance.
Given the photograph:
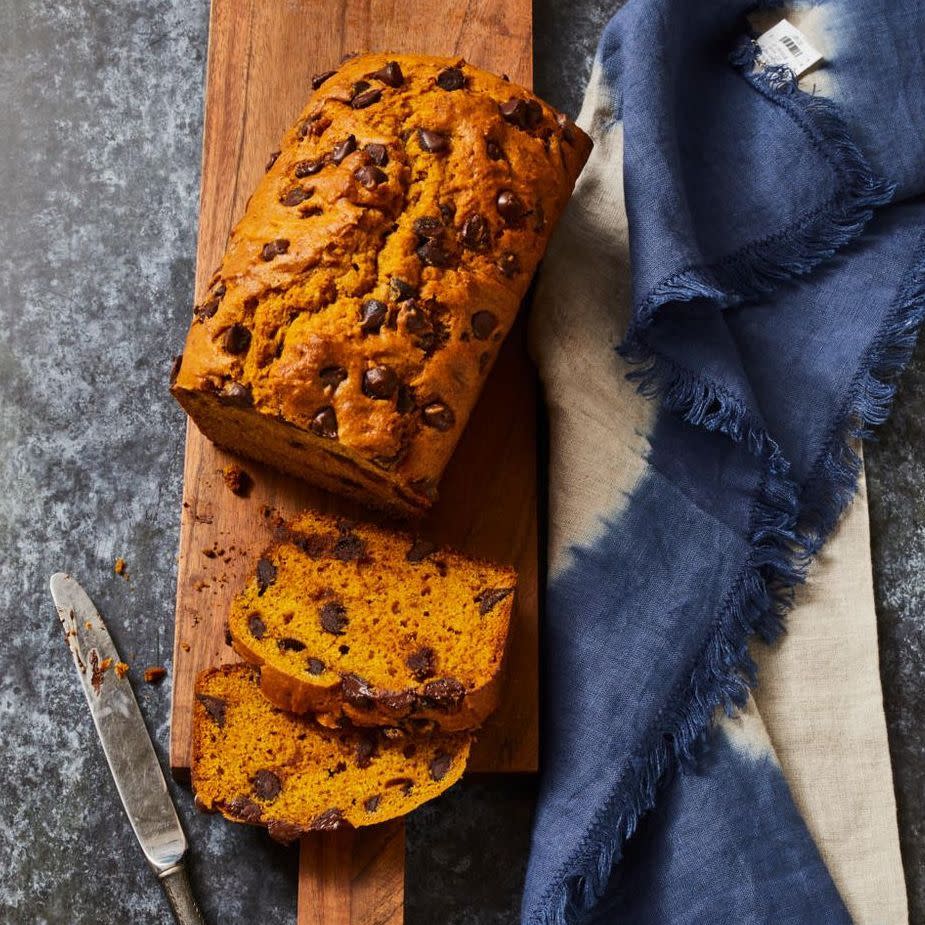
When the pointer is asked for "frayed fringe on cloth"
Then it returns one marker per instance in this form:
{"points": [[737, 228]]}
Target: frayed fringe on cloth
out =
{"points": [[787, 528]]}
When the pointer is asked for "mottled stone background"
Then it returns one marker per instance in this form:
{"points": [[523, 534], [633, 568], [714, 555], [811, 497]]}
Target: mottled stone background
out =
{"points": [[100, 130]]}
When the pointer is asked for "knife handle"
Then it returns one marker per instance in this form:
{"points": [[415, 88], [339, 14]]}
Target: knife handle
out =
{"points": [[180, 895]]}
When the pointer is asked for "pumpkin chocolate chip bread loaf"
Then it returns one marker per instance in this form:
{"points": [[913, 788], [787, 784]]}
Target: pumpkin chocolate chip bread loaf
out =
{"points": [[254, 763], [381, 261], [349, 619]]}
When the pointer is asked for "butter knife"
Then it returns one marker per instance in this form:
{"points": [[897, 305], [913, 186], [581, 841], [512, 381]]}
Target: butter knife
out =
{"points": [[127, 745]]}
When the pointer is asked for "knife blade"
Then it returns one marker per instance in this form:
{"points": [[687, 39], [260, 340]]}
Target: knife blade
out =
{"points": [[126, 744]]}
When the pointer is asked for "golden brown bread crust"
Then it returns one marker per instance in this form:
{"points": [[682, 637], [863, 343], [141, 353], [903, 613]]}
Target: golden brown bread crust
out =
{"points": [[352, 620], [379, 264]]}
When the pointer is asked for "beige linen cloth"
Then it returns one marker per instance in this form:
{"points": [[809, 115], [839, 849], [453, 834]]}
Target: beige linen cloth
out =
{"points": [[819, 700]]}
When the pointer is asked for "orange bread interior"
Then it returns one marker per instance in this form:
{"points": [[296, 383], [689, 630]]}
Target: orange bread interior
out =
{"points": [[256, 764], [355, 620]]}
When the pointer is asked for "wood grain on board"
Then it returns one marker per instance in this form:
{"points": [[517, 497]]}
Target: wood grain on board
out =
{"points": [[261, 58]]}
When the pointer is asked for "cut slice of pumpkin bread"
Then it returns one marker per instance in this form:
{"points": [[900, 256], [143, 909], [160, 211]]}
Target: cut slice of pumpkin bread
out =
{"points": [[350, 619], [257, 764]]}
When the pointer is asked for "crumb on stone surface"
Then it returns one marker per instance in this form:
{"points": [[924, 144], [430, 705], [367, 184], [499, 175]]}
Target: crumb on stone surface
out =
{"points": [[120, 568], [121, 669], [154, 674], [237, 481]]}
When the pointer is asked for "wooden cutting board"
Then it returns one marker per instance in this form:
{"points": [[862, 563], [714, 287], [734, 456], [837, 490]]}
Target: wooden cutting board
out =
{"points": [[261, 58]]}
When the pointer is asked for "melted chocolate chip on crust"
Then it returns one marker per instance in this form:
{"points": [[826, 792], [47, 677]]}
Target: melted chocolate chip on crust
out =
{"points": [[267, 785], [438, 415], [236, 394], [422, 664], [329, 820], [432, 254], [319, 79], [372, 315], [483, 323], [509, 264], [366, 98], [343, 148], [420, 550], [216, 707], [283, 831], [377, 154], [237, 339], [380, 383], [400, 291], [357, 691], [525, 114], [369, 176], [444, 694], [257, 627], [324, 423], [433, 142], [428, 227], [266, 574], [296, 196], [390, 74], [245, 809], [274, 249], [440, 765], [475, 233], [451, 78], [308, 168], [334, 618], [488, 598], [511, 208]]}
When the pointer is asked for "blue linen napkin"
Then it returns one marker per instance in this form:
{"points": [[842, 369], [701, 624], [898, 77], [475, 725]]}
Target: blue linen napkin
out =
{"points": [[776, 241]]}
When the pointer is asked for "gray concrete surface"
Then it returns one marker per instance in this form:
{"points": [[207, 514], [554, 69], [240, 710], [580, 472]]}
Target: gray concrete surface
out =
{"points": [[100, 132]]}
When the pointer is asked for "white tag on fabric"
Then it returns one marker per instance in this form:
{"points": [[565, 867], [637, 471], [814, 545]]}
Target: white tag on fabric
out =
{"points": [[785, 44]]}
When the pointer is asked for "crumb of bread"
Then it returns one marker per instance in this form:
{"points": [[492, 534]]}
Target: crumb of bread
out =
{"points": [[121, 669], [120, 568], [155, 674], [237, 480]]}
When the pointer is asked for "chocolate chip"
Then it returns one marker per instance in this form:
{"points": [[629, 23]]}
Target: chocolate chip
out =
{"points": [[284, 831], [422, 663], [256, 625], [308, 168], [488, 598], [511, 208], [296, 196], [333, 617], [349, 547], [343, 148], [483, 323], [324, 423], [494, 150], [414, 317], [319, 79], [369, 176], [420, 550], [271, 160], [427, 227], [359, 87], [266, 574], [288, 644], [509, 264], [357, 691], [216, 707], [315, 666], [366, 98], [207, 309], [314, 545], [399, 703], [237, 394], [405, 403], [389, 74], [525, 114], [237, 339], [447, 212], [433, 142], [175, 367], [266, 785], [400, 291], [332, 376], [380, 382], [329, 821], [372, 315], [274, 249], [367, 747], [245, 809], [567, 126], [371, 804], [314, 125], [445, 694], [432, 254], [438, 415], [377, 154], [440, 765], [475, 233], [451, 78]]}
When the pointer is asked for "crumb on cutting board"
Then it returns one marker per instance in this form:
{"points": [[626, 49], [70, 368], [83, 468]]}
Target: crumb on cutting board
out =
{"points": [[154, 674], [120, 568], [121, 669], [237, 480]]}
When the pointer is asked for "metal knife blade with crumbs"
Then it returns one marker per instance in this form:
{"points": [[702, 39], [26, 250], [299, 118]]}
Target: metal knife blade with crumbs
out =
{"points": [[127, 745]]}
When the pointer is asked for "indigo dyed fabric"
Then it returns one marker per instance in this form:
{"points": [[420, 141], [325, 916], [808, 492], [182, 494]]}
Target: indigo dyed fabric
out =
{"points": [[747, 250]]}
